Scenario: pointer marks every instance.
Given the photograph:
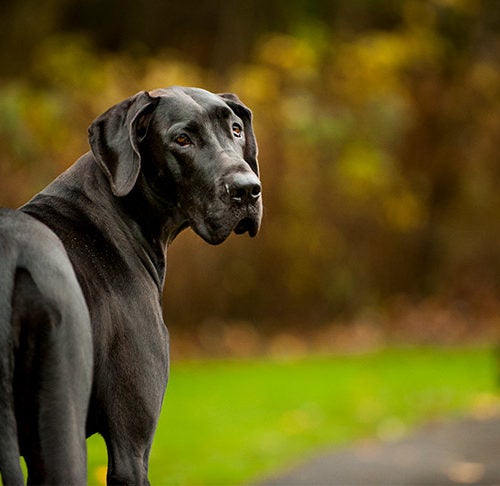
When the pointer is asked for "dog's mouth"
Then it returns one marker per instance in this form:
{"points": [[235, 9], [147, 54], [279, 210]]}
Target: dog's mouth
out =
{"points": [[215, 230], [247, 225], [216, 233]]}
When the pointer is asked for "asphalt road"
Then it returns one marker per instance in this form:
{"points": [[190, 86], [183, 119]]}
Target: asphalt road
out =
{"points": [[465, 452]]}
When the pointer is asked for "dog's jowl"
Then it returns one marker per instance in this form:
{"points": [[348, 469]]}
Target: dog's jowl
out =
{"points": [[83, 345]]}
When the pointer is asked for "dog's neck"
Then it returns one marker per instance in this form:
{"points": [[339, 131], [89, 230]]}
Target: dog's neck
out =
{"points": [[148, 226], [159, 220]]}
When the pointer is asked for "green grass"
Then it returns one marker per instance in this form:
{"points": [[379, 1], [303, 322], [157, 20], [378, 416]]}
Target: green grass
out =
{"points": [[230, 422]]}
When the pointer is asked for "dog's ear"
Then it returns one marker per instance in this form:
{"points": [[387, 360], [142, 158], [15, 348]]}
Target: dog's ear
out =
{"points": [[251, 149], [114, 139]]}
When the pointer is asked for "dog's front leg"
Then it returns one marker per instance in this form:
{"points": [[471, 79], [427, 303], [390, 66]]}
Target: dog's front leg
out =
{"points": [[131, 403], [127, 463], [128, 433], [128, 439]]}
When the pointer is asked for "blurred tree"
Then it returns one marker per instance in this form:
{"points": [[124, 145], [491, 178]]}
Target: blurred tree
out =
{"points": [[377, 123]]}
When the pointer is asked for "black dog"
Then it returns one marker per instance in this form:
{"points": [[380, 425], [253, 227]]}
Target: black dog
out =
{"points": [[160, 162]]}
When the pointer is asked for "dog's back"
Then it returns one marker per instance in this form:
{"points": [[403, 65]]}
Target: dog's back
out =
{"points": [[45, 356]]}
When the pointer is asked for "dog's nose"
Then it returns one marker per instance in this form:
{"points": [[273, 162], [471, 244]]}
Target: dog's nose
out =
{"points": [[244, 188]]}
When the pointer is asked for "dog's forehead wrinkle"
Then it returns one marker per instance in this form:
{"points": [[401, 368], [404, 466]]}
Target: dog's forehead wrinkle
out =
{"points": [[209, 103], [196, 108], [214, 112], [171, 115]]}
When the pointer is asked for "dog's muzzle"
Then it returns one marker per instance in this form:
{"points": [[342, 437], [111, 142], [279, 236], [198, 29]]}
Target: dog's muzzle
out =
{"points": [[244, 191], [237, 207]]}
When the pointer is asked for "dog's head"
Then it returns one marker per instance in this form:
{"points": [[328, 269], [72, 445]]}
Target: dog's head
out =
{"points": [[188, 149]]}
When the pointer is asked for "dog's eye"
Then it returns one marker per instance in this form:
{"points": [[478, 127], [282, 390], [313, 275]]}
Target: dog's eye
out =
{"points": [[237, 130], [183, 140]]}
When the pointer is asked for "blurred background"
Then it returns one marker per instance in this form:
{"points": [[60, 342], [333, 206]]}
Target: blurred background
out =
{"points": [[378, 124]]}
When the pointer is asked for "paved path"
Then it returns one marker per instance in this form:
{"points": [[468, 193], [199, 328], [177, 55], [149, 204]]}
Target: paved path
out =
{"points": [[465, 452]]}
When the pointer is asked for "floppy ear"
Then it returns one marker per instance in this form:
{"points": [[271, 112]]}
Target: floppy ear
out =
{"points": [[114, 138], [251, 149]]}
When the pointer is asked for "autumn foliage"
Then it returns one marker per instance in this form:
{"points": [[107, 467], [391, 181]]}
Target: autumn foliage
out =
{"points": [[378, 133]]}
